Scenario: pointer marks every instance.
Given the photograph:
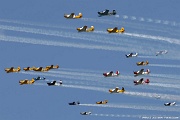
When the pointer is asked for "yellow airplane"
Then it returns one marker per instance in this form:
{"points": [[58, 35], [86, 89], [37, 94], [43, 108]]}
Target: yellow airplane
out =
{"points": [[142, 63], [28, 69], [115, 30], [85, 29], [12, 69], [41, 69], [117, 90], [22, 82], [52, 67], [102, 102], [73, 16]]}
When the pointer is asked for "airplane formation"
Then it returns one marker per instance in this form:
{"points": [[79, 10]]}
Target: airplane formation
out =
{"points": [[105, 74]]}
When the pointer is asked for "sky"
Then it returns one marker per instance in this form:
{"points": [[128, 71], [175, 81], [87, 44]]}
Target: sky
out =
{"points": [[35, 33]]}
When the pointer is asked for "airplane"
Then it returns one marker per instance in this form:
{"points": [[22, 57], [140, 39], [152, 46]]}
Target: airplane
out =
{"points": [[102, 102], [115, 30], [52, 67], [132, 55], [41, 69], [141, 81], [74, 103], [85, 113], [142, 63], [117, 90], [39, 78], [73, 16], [141, 72], [85, 29], [12, 69], [53, 83], [28, 68], [26, 81], [161, 52], [111, 74], [170, 104], [106, 12]]}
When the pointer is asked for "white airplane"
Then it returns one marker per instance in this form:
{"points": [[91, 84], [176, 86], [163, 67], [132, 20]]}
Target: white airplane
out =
{"points": [[85, 113], [141, 72], [132, 55], [161, 52], [170, 104], [111, 74]]}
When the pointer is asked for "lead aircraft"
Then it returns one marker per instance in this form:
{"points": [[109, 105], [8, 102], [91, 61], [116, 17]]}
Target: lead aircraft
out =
{"points": [[12, 69], [106, 13]]}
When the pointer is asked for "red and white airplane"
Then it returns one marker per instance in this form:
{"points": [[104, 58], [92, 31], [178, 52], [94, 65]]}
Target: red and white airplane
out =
{"points": [[111, 74], [141, 72], [141, 81]]}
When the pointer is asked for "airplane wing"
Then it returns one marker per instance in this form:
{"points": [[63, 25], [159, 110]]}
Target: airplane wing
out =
{"points": [[141, 71], [115, 29], [40, 68], [11, 68], [106, 12], [71, 15], [84, 28]]}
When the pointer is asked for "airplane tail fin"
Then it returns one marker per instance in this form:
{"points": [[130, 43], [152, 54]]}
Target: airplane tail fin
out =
{"points": [[148, 71], [122, 30], [80, 15], [147, 81], [117, 72], [114, 12]]}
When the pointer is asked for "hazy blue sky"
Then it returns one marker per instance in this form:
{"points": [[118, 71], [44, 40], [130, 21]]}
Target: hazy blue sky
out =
{"points": [[35, 33]]}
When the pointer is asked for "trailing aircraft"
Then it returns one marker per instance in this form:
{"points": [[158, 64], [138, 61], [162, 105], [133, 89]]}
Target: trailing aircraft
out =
{"points": [[142, 63], [141, 81], [141, 72], [85, 113], [117, 90], [85, 29], [73, 16], [52, 67], [26, 81], [115, 30], [102, 102], [111, 74], [161, 52], [131, 55]]}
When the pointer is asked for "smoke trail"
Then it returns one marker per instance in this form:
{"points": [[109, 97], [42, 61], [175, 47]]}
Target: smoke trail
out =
{"points": [[165, 65], [138, 107], [153, 95], [60, 44]]}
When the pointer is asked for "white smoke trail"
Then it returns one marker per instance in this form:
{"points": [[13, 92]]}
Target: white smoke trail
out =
{"points": [[60, 44], [87, 88], [165, 76], [166, 39], [136, 116], [165, 65], [156, 108], [166, 85], [153, 95], [77, 73]]}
